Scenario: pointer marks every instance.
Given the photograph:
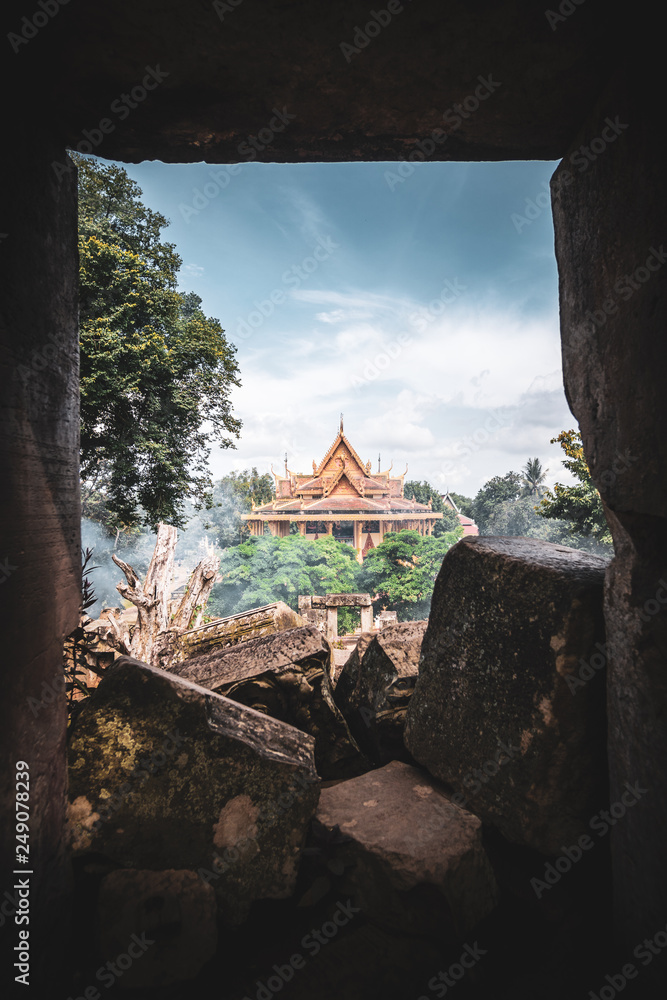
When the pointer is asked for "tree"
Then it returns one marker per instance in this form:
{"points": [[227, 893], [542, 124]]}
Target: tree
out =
{"points": [[496, 491], [464, 504], [580, 505], [519, 517], [401, 572], [534, 477], [234, 495], [153, 637], [267, 569], [422, 493], [156, 373]]}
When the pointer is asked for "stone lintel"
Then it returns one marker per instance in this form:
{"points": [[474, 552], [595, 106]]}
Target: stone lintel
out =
{"points": [[347, 600]]}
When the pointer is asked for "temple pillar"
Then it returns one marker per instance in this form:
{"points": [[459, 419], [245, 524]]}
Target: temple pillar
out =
{"points": [[332, 624], [302, 528], [329, 525], [367, 618]]}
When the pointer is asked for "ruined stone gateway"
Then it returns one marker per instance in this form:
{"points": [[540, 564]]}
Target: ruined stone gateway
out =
{"points": [[558, 77]]}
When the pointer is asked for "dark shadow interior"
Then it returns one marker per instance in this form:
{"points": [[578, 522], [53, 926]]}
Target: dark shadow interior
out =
{"points": [[190, 82]]}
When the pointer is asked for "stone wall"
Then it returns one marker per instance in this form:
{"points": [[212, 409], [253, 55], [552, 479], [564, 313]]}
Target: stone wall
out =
{"points": [[610, 226], [40, 554]]}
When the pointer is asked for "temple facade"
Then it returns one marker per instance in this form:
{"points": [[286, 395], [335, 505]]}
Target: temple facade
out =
{"points": [[343, 498]]}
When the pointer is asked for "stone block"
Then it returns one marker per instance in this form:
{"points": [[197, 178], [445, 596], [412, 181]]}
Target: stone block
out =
{"points": [[499, 711], [347, 600], [225, 632], [164, 921], [286, 676], [416, 859], [375, 688], [164, 774]]}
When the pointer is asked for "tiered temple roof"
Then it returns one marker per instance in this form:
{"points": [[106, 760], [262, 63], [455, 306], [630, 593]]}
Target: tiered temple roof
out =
{"points": [[341, 488]]}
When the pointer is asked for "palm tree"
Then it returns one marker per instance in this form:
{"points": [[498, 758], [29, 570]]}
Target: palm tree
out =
{"points": [[533, 478]]}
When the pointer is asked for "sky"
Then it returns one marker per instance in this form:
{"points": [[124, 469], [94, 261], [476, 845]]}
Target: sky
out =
{"points": [[422, 305]]}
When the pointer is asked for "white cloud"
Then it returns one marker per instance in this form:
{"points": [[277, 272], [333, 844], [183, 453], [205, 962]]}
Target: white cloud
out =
{"points": [[471, 395], [342, 316], [193, 270]]}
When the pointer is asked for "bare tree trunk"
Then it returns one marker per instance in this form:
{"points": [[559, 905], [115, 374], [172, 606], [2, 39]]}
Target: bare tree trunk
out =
{"points": [[151, 601], [196, 596], [154, 634]]}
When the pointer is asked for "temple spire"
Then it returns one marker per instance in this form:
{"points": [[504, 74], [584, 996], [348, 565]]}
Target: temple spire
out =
{"points": [[341, 423]]}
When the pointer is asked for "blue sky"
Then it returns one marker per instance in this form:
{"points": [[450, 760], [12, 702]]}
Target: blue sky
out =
{"points": [[417, 306]]}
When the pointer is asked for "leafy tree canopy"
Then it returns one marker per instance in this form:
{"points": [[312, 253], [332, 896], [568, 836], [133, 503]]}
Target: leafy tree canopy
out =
{"points": [[464, 504], [422, 493], [233, 495], [267, 569], [401, 572], [534, 477], [156, 373], [519, 517], [579, 505], [498, 490]]}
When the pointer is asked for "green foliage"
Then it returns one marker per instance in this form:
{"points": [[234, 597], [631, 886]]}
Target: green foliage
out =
{"points": [[267, 569], [422, 493], [496, 491], [580, 505], [233, 495], [155, 371], [520, 517], [349, 619], [401, 572], [464, 504], [534, 477]]}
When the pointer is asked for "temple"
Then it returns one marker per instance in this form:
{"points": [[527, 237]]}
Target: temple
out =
{"points": [[341, 497]]}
